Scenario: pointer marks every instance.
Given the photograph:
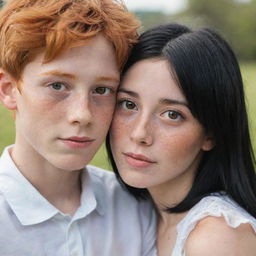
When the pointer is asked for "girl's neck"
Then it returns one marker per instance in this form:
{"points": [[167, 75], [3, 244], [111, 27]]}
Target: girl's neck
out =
{"points": [[168, 195]]}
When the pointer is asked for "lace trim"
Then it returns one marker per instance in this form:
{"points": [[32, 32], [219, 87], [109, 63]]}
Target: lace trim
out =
{"points": [[215, 206]]}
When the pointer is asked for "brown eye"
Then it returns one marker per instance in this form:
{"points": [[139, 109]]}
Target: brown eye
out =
{"points": [[173, 115], [102, 90], [129, 104], [126, 105]]}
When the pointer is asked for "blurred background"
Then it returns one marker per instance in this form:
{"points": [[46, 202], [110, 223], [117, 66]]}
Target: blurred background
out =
{"points": [[234, 19]]}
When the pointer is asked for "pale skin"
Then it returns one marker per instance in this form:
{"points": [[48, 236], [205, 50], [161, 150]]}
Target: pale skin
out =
{"points": [[222, 240], [158, 144], [63, 112]]}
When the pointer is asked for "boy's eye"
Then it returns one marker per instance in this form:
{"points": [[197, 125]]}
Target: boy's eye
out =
{"points": [[102, 90], [57, 86]]}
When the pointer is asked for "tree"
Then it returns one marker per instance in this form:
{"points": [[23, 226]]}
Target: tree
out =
{"points": [[235, 20]]}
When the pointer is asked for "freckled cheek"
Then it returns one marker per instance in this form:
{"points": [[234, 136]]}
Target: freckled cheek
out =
{"points": [[34, 106], [108, 102], [103, 108], [103, 115], [179, 146], [120, 130], [53, 106], [37, 113]]}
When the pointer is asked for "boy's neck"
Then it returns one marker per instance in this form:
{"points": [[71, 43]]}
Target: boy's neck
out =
{"points": [[60, 187]]}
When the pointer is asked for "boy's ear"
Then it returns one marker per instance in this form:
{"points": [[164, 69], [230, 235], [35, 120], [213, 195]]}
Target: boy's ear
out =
{"points": [[7, 90]]}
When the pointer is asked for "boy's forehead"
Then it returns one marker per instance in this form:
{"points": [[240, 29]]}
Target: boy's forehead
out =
{"points": [[95, 58]]}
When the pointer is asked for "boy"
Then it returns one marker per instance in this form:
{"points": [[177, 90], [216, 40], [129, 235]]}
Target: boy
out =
{"points": [[60, 63]]}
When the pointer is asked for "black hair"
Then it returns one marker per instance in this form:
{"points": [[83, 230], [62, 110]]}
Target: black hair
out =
{"points": [[208, 74]]}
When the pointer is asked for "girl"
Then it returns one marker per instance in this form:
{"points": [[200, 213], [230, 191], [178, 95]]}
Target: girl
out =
{"points": [[180, 137]]}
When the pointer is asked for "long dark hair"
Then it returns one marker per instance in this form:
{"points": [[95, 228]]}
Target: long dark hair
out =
{"points": [[208, 74]]}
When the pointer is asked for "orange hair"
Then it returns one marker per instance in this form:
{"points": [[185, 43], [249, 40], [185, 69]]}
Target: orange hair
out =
{"points": [[30, 26]]}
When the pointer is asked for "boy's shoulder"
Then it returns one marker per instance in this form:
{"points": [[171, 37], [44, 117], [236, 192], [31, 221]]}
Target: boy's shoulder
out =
{"points": [[100, 173], [118, 201]]}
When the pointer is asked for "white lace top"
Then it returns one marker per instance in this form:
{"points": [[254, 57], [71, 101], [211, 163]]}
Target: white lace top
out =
{"points": [[214, 205]]}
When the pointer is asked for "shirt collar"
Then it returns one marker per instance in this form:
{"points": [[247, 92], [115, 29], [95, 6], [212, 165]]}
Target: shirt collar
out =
{"points": [[91, 197], [29, 205]]}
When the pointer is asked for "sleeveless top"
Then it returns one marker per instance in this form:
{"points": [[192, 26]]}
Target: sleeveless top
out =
{"points": [[215, 205]]}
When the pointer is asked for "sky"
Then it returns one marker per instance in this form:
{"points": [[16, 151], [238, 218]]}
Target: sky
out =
{"points": [[171, 6]]}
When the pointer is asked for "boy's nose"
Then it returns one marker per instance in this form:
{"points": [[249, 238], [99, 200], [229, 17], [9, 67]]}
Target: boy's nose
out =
{"points": [[80, 112]]}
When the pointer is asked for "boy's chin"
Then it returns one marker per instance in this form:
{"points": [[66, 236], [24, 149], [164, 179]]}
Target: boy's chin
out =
{"points": [[71, 164]]}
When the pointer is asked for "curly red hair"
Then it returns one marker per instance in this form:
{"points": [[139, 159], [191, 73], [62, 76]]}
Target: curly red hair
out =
{"points": [[28, 26]]}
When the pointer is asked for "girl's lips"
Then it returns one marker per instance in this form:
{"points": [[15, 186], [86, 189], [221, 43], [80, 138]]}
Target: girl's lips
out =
{"points": [[137, 160]]}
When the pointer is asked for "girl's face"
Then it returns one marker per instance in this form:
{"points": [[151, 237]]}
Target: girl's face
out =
{"points": [[155, 139]]}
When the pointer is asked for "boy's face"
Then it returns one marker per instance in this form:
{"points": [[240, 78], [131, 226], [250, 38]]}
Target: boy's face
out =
{"points": [[65, 106]]}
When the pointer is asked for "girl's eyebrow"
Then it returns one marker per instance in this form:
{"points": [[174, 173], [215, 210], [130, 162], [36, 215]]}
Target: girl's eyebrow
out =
{"points": [[131, 93], [163, 101], [172, 102]]}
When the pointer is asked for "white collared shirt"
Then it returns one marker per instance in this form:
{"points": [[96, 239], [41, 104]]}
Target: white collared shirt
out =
{"points": [[109, 221]]}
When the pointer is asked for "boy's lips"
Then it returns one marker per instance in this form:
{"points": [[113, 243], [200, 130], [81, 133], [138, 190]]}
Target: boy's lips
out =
{"points": [[77, 142], [78, 139]]}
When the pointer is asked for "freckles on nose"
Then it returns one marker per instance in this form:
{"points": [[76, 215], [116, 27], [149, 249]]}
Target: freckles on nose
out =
{"points": [[81, 105], [77, 106]]}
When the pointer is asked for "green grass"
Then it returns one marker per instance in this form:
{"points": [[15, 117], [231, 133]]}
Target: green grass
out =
{"points": [[6, 128], [249, 77], [100, 159]]}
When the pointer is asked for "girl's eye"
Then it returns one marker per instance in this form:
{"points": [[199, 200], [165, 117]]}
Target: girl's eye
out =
{"points": [[102, 90], [127, 104], [173, 115], [57, 86]]}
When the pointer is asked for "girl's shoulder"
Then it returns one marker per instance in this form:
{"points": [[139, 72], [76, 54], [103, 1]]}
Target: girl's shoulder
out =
{"points": [[214, 236], [216, 222]]}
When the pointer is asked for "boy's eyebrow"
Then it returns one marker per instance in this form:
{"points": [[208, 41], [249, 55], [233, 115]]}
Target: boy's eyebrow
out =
{"points": [[72, 76], [108, 78], [58, 73]]}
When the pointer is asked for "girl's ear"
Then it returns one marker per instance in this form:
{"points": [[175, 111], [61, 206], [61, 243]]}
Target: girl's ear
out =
{"points": [[7, 90], [208, 143]]}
